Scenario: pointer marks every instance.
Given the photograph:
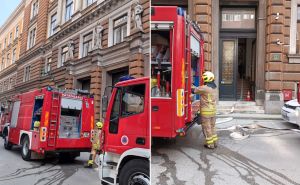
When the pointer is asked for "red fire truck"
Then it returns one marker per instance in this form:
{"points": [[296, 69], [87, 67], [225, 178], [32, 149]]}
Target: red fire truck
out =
{"points": [[177, 63], [126, 133], [65, 119]]}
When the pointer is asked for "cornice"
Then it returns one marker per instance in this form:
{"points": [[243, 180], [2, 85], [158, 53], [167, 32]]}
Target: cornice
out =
{"points": [[13, 16], [95, 12]]}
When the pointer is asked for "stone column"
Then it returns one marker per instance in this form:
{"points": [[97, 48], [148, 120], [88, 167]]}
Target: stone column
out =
{"points": [[203, 9], [275, 55], [96, 82], [215, 40], [260, 53]]}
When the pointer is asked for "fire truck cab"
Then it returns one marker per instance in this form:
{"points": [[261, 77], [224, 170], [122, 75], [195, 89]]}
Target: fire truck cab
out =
{"points": [[125, 136], [177, 63], [47, 120]]}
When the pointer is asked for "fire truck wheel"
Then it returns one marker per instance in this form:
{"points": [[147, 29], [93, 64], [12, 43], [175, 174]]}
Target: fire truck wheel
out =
{"points": [[7, 144], [25, 152], [135, 171]]}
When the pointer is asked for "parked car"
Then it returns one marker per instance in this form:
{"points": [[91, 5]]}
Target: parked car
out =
{"points": [[291, 112]]}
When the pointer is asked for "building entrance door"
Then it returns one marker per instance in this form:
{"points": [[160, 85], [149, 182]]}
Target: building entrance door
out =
{"points": [[228, 68]]}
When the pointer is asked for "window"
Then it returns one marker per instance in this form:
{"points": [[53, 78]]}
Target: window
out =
{"points": [[17, 32], [1, 87], [31, 38], [298, 31], [10, 38], [87, 44], [13, 60], [10, 83], [133, 100], [89, 2], [242, 18], [47, 66], [53, 24], [4, 46], [120, 29], [69, 9], [34, 9], [115, 113], [8, 60], [2, 64], [27, 74], [63, 56]]}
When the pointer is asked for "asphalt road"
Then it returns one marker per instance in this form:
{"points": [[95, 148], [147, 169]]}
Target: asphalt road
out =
{"points": [[267, 157], [15, 171]]}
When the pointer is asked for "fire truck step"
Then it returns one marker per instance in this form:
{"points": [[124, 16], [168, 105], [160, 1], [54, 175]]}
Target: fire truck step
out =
{"points": [[111, 163], [108, 180]]}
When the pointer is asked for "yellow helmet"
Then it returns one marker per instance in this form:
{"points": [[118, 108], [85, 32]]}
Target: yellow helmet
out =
{"points": [[208, 76], [153, 82], [99, 124]]}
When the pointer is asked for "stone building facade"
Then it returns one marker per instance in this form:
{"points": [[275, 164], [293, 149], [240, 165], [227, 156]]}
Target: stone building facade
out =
{"points": [[10, 43], [252, 46], [82, 44]]}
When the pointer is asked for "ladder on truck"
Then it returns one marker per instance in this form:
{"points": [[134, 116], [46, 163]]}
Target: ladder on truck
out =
{"points": [[186, 66], [53, 119]]}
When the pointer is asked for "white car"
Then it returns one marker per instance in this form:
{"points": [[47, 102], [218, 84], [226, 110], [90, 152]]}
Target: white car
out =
{"points": [[290, 112]]}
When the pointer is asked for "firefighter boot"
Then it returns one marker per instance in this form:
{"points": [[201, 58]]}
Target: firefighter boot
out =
{"points": [[215, 140], [90, 162], [209, 143]]}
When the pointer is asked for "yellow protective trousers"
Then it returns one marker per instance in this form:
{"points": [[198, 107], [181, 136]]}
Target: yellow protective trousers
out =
{"points": [[209, 130]]}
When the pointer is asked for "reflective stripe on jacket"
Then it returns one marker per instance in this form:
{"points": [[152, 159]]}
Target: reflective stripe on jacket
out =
{"points": [[207, 101]]}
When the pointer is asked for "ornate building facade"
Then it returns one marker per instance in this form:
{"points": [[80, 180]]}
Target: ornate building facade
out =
{"points": [[82, 44]]}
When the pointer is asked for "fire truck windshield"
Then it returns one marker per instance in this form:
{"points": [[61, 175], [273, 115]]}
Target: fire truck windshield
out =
{"points": [[70, 118]]}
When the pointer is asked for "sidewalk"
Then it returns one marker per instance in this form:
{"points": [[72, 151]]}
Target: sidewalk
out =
{"points": [[251, 116]]}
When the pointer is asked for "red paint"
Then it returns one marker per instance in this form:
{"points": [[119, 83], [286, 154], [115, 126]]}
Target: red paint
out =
{"points": [[287, 94], [165, 121], [53, 109], [133, 126]]}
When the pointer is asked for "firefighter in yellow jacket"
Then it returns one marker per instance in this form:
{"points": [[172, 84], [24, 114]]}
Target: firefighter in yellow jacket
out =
{"points": [[95, 139], [208, 93]]}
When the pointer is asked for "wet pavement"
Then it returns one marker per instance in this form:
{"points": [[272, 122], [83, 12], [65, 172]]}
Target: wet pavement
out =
{"points": [[268, 156], [15, 171]]}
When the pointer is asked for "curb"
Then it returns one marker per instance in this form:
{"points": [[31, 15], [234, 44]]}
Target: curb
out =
{"points": [[251, 116]]}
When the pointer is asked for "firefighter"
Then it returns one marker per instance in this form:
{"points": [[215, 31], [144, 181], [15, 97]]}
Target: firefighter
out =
{"points": [[36, 125], [95, 139], [208, 93]]}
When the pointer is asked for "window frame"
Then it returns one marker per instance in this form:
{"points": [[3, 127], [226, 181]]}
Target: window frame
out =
{"points": [[69, 10], [34, 9], [130, 92], [121, 27], [47, 66], [13, 58], [53, 24], [26, 76], [62, 56], [16, 32], [31, 41], [122, 11], [89, 43]]}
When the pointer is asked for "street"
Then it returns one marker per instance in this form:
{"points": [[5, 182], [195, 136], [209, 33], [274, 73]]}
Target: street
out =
{"points": [[268, 156], [15, 171]]}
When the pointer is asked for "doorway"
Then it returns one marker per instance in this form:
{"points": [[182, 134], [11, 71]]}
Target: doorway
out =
{"points": [[237, 68], [237, 52]]}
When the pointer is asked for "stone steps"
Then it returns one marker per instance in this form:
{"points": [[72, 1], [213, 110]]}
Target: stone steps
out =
{"points": [[239, 107]]}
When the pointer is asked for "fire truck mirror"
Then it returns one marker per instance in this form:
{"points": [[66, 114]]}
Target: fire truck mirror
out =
{"points": [[104, 105]]}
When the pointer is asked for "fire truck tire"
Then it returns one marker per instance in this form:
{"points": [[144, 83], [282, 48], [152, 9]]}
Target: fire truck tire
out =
{"points": [[7, 145], [25, 151], [135, 171]]}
